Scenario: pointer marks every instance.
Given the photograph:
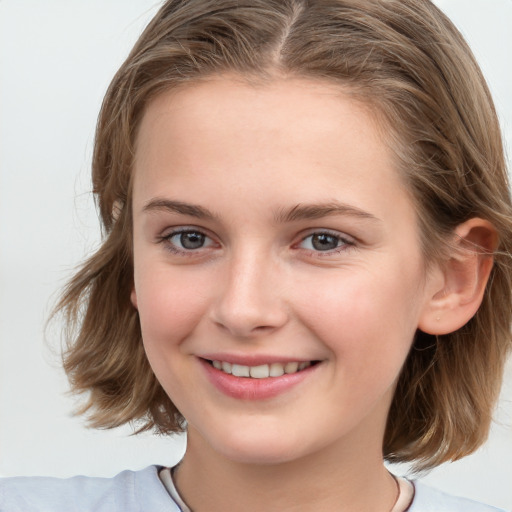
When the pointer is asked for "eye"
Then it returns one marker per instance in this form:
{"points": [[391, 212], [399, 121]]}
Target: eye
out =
{"points": [[185, 240], [324, 242]]}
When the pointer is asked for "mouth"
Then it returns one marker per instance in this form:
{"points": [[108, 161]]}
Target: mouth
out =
{"points": [[262, 371], [261, 379]]}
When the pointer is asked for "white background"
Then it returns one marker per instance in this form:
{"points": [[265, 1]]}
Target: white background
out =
{"points": [[56, 60]]}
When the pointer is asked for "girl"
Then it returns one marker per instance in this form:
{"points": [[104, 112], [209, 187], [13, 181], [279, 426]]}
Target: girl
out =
{"points": [[305, 264]]}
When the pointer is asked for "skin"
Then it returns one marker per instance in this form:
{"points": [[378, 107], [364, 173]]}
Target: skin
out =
{"points": [[258, 286]]}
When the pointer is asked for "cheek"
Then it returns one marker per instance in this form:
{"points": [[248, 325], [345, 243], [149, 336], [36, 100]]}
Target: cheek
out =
{"points": [[169, 304], [368, 320]]}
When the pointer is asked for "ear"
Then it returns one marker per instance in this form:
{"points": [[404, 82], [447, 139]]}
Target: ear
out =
{"points": [[117, 207], [133, 297], [455, 288]]}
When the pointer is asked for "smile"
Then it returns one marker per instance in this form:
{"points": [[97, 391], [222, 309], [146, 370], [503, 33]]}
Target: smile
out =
{"points": [[259, 380], [262, 371]]}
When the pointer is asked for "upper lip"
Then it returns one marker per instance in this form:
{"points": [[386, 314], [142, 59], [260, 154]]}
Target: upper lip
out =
{"points": [[253, 359]]}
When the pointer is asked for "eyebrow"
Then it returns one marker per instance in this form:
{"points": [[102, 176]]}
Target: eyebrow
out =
{"points": [[317, 211], [159, 204], [297, 212]]}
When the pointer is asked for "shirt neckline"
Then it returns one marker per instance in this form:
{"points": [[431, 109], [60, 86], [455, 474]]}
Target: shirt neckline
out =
{"points": [[404, 502]]}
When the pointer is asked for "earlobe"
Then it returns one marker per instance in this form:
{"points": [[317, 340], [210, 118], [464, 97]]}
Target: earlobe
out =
{"points": [[133, 298], [457, 286]]}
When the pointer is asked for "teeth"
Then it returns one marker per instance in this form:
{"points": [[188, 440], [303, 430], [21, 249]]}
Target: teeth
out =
{"points": [[291, 367], [262, 371], [276, 370], [239, 371]]}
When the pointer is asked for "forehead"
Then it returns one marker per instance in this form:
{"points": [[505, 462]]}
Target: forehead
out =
{"points": [[276, 106], [276, 137]]}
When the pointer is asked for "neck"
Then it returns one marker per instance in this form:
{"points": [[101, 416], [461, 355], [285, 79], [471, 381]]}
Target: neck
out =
{"points": [[337, 479]]}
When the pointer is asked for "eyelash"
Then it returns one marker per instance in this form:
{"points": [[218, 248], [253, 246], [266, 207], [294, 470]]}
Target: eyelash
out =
{"points": [[344, 242], [170, 246]]}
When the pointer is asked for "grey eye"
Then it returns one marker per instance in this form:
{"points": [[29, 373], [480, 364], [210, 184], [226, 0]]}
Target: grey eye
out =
{"points": [[322, 242], [189, 240], [192, 240]]}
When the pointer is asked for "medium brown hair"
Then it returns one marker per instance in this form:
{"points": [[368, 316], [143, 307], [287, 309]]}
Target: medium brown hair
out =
{"points": [[405, 60]]}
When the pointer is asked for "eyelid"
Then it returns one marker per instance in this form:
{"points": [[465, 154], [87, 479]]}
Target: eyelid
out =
{"points": [[347, 241], [168, 234]]}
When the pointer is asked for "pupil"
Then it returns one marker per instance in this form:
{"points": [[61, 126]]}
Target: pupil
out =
{"points": [[323, 242], [192, 240]]}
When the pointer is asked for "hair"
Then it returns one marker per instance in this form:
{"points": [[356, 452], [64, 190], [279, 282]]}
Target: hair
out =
{"points": [[405, 60]]}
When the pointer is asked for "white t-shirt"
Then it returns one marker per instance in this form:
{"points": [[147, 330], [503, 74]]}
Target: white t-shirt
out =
{"points": [[144, 491], [405, 496]]}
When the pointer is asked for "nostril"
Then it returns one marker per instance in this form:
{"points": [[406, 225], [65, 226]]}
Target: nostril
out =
{"points": [[264, 328], [249, 324]]}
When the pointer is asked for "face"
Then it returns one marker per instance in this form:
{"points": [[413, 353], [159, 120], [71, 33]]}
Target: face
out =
{"points": [[278, 272]]}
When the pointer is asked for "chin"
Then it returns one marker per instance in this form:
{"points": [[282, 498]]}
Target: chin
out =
{"points": [[258, 448]]}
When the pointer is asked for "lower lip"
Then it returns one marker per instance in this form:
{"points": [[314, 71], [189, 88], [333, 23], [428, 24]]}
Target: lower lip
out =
{"points": [[245, 388]]}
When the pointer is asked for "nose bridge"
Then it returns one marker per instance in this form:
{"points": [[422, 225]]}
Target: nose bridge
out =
{"points": [[250, 299]]}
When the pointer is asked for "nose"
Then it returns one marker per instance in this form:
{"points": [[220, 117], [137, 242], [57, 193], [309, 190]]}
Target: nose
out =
{"points": [[250, 300]]}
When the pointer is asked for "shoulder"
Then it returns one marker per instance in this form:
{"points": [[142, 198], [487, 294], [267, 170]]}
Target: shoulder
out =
{"points": [[427, 499], [128, 491]]}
